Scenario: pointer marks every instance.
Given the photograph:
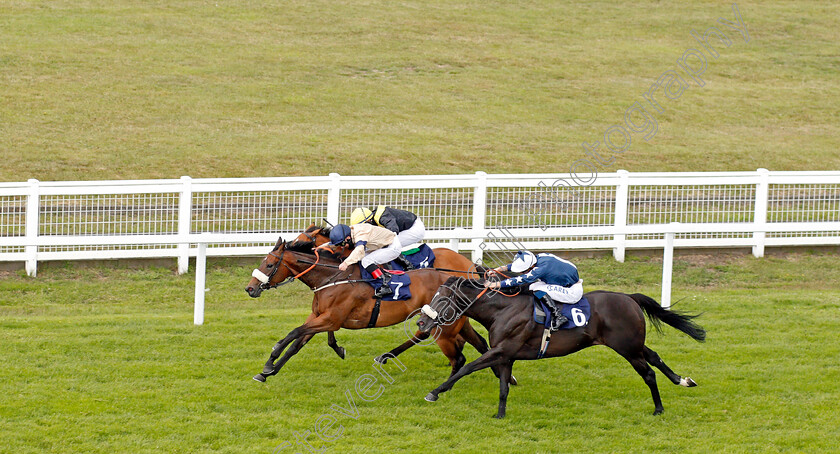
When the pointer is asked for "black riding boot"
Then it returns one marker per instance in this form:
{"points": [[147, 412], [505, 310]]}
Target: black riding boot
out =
{"points": [[404, 263], [385, 289], [557, 319]]}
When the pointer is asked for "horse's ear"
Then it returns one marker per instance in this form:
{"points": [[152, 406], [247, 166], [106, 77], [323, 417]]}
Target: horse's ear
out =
{"points": [[279, 243]]}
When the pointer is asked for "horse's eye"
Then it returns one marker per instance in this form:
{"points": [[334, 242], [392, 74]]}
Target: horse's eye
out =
{"points": [[269, 266]]}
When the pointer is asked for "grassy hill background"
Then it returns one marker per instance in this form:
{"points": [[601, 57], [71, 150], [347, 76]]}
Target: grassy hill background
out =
{"points": [[118, 89]]}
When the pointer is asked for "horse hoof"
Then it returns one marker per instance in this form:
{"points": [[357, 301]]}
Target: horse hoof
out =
{"points": [[260, 378], [431, 397], [381, 359], [268, 370], [513, 381], [499, 416], [657, 412], [341, 352], [687, 382]]}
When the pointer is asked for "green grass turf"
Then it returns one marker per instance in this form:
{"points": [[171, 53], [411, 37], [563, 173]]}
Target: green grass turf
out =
{"points": [[107, 360], [119, 90]]}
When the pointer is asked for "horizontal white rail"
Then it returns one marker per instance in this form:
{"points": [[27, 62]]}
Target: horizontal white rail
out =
{"points": [[183, 218], [80, 220]]}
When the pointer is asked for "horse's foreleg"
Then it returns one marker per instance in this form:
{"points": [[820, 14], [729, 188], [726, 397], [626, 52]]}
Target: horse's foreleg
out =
{"points": [[334, 345], [504, 387], [292, 351], [653, 358], [418, 337], [283, 343], [480, 344], [314, 324], [493, 357]]}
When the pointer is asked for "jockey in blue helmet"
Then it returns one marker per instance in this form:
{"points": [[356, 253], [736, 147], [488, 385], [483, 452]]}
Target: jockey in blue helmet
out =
{"points": [[372, 246], [552, 279]]}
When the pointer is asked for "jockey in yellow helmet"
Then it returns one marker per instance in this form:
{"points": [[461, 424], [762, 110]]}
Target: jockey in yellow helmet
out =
{"points": [[408, 227], [372, 246]]}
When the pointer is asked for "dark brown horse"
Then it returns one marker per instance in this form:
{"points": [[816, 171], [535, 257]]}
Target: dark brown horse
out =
{"points": [[617, 321], [343, 300], [446, 260]]}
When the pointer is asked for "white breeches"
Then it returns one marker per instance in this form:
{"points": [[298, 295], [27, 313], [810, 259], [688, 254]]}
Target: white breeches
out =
{"points": [[382, 255], [568, 295], [413, 235]]}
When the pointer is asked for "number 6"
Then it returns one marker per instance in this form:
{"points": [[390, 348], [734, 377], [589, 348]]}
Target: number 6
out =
{"points": [[578, 317]]}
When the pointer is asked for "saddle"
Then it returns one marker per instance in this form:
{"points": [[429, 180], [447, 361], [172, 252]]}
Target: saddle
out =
{"points": [[400, 282], [419, 255], [578, 314]]}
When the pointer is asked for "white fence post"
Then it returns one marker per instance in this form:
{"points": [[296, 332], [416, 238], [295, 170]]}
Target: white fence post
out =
{"points": [[621, 200], [479, 215], [668, 265], [33, 214], [200, 281], [762, 190], [455, 242], [333, 198], [184, 223]]}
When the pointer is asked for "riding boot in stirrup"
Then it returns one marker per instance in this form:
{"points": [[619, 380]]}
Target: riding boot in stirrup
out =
{"points": [[404, 263], [385, 289], [557, 319]]}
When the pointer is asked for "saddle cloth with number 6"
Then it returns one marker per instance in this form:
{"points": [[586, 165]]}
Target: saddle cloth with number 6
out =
{"points": [[578, 313]]}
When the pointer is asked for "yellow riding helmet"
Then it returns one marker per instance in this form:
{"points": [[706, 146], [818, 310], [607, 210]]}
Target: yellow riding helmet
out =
{"points": [[360, 215]]}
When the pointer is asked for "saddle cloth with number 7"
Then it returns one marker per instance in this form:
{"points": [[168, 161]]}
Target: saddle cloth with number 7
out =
{"points": [[399, 284]]}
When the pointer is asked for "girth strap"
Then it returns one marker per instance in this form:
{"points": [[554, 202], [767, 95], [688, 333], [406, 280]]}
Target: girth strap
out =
{"points": [[546, 338], [374, 316]]}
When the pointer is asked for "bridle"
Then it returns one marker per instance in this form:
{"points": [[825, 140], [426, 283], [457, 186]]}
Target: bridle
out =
{"points": [[265, 279]]}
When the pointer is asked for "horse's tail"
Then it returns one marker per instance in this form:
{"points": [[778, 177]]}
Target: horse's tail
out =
{"points": [[658, 314]]}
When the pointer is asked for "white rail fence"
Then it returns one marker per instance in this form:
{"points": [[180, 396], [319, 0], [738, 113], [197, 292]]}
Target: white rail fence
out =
{"points": [[41, 221]]}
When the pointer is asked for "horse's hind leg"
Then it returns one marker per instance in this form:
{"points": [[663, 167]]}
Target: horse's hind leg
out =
{"points": [[639, 363], [334, 345], [453, 349], [653, 358]]}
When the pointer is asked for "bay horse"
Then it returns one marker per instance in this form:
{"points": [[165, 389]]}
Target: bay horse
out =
{"points": [[617, 321], [343, 300], [446, 260]]}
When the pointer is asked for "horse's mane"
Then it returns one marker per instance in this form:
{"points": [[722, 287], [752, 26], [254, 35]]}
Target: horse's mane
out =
{"points": [[307, 247], [324, 229]]}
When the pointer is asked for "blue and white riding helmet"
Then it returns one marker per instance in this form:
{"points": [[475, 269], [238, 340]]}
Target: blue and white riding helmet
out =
{"points": [[523, 261], [339, 234]]}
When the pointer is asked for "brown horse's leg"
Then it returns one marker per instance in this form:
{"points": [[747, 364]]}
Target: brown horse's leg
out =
{"points": [[334, 345], [654, 360], [292, 351], [418, 337], [452, 348], [314, 324], [493, 357], [504, 387]]}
